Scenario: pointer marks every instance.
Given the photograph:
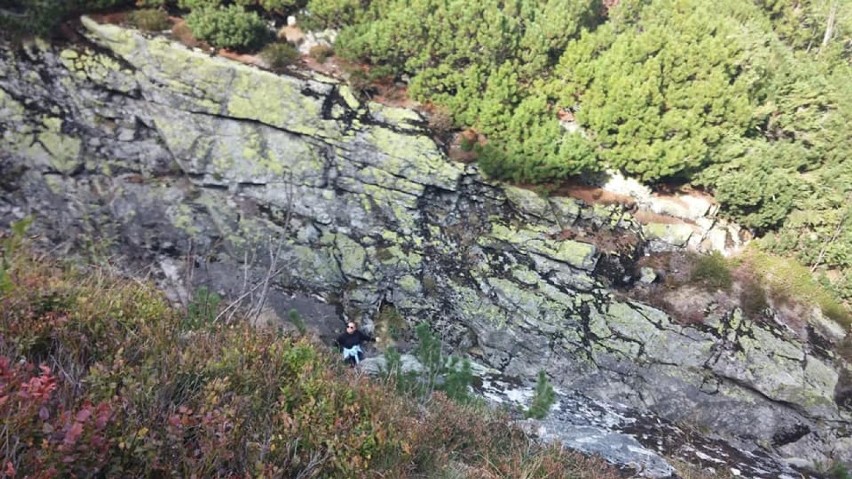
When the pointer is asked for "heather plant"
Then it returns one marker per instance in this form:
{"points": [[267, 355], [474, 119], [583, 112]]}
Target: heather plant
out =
{"points": [[203, 308], [712, 271], [101, 377], [279, 55]]}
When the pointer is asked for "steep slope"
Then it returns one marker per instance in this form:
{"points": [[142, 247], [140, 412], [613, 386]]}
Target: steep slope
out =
{"points": [[254, 183]]}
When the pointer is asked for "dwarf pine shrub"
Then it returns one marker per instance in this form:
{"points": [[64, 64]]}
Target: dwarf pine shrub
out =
{"points": [[149, 19], [230, 27], [279, 55], [542, 399]]}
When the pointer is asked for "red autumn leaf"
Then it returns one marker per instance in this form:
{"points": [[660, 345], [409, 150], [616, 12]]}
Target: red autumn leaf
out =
{"points": [[73, 434], [84, 414]]}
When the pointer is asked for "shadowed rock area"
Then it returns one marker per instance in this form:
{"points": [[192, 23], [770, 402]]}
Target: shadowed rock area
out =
{"points": [[289, 192]]}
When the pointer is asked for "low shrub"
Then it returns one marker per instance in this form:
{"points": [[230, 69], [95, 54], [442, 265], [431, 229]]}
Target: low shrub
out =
{"points": [[321, 52], [440, 121], [279, 56], [152, 3], [231, 27], [139, 395], [712, 272], [542, 399], [149, 19], [88, 5], [789, 281], [199, 4], [273, 6]]}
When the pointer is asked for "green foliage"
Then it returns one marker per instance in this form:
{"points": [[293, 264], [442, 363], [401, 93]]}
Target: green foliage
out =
{"points": [[323, 14], [273, 6], [712, 271], [203, 309], [543, 398], [296, 319], [9, 248], [448, 374], [31, 17], [662, 88], [279, 55], [789, 281], [321, 52], [839, 471], [152, 3], [803, 23], [152, 20], [199, 4], [479, 60], [760, 184], [89, 5], [230, 27], [536, 149]]}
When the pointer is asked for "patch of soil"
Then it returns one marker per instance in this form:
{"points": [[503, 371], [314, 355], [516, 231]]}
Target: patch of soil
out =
{"points": [[182, 33], [113, 18], [393, 94], [457, 152], [247, 58], [593, 194], [332, 66]]}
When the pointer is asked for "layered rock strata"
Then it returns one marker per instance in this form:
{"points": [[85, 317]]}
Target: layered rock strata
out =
{"points": [[262, 185]]}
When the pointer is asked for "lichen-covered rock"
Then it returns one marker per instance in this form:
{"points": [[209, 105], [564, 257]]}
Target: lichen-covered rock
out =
{"points": [[260, 185]]}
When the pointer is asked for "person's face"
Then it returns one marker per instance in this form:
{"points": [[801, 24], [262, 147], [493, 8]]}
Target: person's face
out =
{"points": [[350, 328]]}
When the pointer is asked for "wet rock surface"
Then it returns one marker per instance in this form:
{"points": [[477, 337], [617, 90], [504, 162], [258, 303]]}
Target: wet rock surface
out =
{"points": [[290, 193]]}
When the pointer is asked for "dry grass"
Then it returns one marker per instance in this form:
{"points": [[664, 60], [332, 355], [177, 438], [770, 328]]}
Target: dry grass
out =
{"points": [[690, 471]]}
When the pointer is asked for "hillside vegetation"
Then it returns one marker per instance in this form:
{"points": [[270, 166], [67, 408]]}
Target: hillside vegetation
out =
{"points": [[100, 377], [750, 100], [733, 96]]}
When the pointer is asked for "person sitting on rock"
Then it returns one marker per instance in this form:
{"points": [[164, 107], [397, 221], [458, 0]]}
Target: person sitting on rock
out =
{"points": [[350, 343]]}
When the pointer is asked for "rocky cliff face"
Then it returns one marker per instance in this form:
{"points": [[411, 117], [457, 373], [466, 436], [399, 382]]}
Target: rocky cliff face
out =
{"points": [[290, 189]]}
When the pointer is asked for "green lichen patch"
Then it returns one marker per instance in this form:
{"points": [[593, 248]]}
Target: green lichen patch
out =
{"points": [[397, 117], [349, 97], [673, 234], [415, 157], [529, 202], [475, 307], [352, 257], [574, 253]]}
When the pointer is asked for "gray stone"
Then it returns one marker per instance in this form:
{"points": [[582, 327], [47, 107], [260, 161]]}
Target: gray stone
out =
{"points": [[647, 275], [377, 365], [343, 215]]}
